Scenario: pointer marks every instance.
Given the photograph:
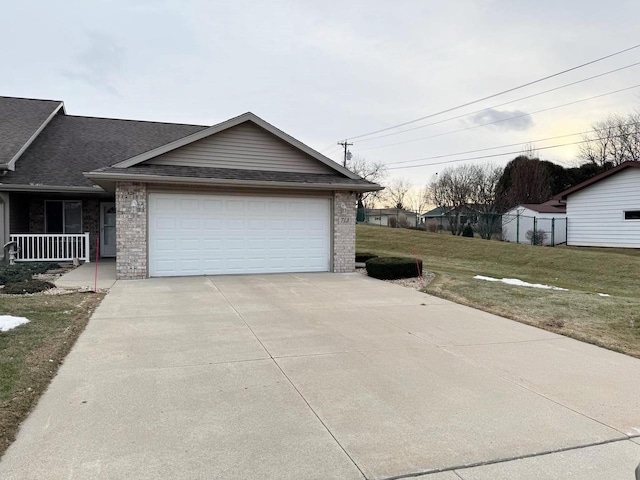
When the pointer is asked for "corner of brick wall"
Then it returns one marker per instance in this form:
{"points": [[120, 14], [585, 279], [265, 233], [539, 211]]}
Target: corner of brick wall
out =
{"points": [[131, 230], [344, 232]]}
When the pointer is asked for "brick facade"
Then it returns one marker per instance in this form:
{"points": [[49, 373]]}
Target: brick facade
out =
{"points": [[131, 230], [344, 232]]}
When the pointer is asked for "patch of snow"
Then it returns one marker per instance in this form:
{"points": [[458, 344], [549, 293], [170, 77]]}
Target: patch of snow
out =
{"points": [[604, 294], [7, 322], [519, 283]]}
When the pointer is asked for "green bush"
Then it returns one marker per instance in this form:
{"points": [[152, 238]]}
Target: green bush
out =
{"points": [[389, 268], [467, 231], [23, 271], [13, 274], [364, 256], [27, 286]]}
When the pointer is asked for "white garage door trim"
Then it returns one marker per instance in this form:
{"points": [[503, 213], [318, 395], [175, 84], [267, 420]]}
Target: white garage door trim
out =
{"points": [[206, 234]]}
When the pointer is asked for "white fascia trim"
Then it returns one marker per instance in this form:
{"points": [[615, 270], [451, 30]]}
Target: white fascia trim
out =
{"points": [[11, 165], [50, 189], [194, 137], [124, 177]]}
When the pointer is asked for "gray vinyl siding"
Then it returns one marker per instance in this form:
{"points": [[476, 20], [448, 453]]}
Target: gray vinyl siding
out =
{"points": [[596, 214], [246, 147]]}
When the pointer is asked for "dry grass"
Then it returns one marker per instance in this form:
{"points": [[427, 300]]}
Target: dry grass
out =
{"points": [[612, 322], [31, 354]]}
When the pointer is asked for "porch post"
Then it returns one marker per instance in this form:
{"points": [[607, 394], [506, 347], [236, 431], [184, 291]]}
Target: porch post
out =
{"points": [[87, 249]]}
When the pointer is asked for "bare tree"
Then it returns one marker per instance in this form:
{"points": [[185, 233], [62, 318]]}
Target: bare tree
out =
{"points": [[525, 180], [484, 199], [451, 190], [613, 141], [371, 171], [469, 190], [418, 199], [396, 193]]}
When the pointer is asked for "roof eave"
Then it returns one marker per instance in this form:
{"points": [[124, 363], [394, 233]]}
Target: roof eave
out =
{"points": [[106, 179], [194, 137], [8, 187], [11, 164]]}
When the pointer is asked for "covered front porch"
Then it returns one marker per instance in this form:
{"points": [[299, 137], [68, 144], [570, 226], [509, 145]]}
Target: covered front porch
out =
{"points": [[59, 226]]}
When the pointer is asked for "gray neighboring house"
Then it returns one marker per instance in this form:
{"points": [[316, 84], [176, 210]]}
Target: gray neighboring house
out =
{"points": [[170, 199], [390, 217]]}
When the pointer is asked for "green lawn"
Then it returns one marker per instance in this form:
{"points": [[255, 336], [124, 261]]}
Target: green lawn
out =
{"points": [[612, 322], [30, 354]]}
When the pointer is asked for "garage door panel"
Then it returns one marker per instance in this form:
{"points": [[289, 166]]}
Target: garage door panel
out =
{"points": [[215, 234]]}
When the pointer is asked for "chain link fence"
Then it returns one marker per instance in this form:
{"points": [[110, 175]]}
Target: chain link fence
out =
{"points": [[536, 230]]}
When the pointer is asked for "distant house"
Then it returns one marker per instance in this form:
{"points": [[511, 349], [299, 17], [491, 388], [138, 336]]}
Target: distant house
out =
{"points": [[548, 220], [436, 219], [390, 217], [604, 211]]}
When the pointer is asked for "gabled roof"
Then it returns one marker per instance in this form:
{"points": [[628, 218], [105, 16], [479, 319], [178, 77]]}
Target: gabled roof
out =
{"points": [[21, 120], [596, 179], [550, 206], [71, 145], [436, 212], [246, 117]]}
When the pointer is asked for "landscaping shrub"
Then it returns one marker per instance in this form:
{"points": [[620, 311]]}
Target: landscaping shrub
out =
{"points": [[23, 271], [364, 256], [389, 268], [13, 274], [467, 231], [27, 286]]}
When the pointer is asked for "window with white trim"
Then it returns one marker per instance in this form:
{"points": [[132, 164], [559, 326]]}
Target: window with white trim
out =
{"points": [[632, 215], [63, 216]]}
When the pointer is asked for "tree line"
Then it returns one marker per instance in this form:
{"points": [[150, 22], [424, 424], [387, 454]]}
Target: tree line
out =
{"points": [[487, 191]]}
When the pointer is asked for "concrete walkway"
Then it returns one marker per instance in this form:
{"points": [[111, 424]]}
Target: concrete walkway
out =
{"points": [[84, 275], [324, 376]]}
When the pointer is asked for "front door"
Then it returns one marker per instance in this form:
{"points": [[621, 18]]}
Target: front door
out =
{"points": [[108, 229]]}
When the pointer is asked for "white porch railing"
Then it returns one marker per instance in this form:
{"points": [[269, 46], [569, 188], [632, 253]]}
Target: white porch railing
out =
{"points": [[51, 247]]}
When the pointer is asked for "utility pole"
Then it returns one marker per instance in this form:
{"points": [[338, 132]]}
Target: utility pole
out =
{"points": [[345, 145]]}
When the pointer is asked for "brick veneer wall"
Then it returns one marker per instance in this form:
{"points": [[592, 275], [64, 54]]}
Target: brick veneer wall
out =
{"points": [[131, 230], [344, 232]]}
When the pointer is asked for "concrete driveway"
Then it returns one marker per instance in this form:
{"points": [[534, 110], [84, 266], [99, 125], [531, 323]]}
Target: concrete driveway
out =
{"points": [[324, 376]]}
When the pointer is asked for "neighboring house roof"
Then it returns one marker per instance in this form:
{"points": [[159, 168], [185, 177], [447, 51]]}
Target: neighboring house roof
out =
{"points": [[551, 206], [596, 179], [436, 212], [388, 211], [21, 120], [71, 145]]}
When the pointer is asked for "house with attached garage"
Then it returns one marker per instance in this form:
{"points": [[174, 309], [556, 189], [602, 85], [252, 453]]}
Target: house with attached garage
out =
{"points": [[170, 199], [604, 211]]}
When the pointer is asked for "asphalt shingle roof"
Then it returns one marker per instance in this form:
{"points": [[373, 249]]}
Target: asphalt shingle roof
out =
{"points": [[236, 174], [71, 145], [20, 118]]}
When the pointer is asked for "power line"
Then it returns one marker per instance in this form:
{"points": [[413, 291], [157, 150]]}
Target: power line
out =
{"points": [[506, 146], [503, 119], [501, 154], [500, 104], [346, 146], [496, 94]]}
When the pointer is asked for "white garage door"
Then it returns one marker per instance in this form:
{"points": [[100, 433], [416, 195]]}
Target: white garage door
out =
{"points": [[217, 234]]}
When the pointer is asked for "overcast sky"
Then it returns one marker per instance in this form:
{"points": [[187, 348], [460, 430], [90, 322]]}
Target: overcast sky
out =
{"points": [[324, 71]]}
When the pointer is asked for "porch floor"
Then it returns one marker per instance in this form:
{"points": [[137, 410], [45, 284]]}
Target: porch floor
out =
{"points": [[83, 276]]}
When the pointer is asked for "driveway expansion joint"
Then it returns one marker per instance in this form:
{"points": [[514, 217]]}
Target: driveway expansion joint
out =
{"points": [[503, 460], [298, 391]]}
